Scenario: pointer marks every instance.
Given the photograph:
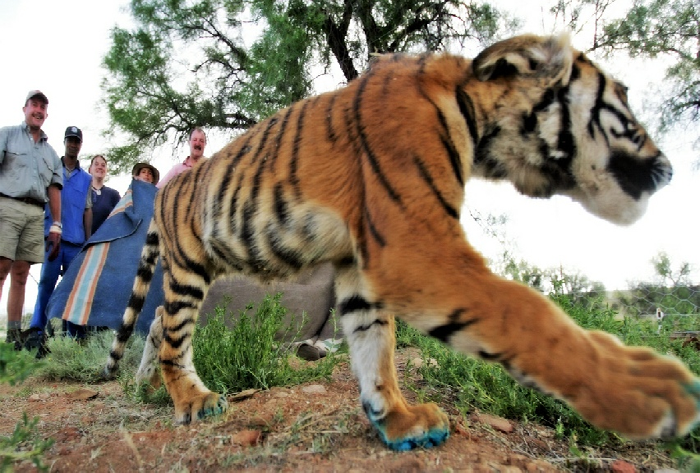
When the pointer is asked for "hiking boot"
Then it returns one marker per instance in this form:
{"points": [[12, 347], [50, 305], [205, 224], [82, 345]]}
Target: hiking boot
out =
{"points": [[37, 340], [14, 336]]}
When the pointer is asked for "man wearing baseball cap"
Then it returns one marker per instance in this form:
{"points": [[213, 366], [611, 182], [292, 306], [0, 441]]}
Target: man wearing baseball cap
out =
{"points": [[76, 218], [30, 176]]}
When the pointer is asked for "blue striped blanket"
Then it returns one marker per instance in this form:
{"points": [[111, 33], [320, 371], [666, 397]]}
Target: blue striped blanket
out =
{"points": [[96, 287]]}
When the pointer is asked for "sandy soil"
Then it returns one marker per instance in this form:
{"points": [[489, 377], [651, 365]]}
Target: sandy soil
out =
{"points": [[313, 427]]}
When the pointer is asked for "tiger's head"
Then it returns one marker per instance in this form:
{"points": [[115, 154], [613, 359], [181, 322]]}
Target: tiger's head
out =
{"points": [[552, 122]]}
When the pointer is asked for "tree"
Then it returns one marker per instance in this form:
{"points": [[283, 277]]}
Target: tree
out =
{"points": [[668, 28], [226, 64], [671, 291], [669, 277]]}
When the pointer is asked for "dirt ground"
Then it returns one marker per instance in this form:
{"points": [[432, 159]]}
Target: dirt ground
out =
{"points": [[316, 427]]}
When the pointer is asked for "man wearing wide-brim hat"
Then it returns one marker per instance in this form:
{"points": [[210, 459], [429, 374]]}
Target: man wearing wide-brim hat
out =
{"points": [[30, 176], [145, 172]]}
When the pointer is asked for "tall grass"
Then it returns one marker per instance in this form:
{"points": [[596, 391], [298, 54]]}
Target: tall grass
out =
{"points": [[232, 352], [25, 442], [85, 362], [236, 352]]}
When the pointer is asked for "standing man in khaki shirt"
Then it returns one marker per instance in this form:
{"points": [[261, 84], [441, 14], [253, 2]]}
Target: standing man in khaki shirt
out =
{"points": [[30, 175]]}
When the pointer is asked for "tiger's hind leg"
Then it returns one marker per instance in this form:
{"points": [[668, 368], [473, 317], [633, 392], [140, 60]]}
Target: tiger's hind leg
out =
{"points": [[371, 338], [148, 370], [184, 292], [142, 283]]}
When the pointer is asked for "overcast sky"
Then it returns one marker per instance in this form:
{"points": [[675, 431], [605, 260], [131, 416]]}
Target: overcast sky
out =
{"points": [[58, 47]]}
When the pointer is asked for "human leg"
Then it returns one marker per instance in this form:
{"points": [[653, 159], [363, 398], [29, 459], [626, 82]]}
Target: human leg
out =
{"points": [[19, 272], [49, 275], [5, 265], [14, 326], [68, 253]]}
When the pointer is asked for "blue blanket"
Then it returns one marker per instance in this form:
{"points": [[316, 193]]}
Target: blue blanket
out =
{"points": [[96, 287]]}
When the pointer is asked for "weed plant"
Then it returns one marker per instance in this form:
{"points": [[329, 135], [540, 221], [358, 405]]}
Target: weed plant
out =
{"points": [[233, 353], [25, 443], [85, 362], [15, 366]]}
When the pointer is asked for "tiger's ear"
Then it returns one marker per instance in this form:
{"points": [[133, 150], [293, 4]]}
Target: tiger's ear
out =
{"points": [[529, 56]]}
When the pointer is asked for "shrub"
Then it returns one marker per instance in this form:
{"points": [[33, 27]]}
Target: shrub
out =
{"points": [[249, 355]]}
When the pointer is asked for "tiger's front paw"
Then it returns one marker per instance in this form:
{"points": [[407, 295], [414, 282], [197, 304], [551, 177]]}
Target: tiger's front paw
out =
{"points": [[200, 406], [641, 394], [409, 427]]}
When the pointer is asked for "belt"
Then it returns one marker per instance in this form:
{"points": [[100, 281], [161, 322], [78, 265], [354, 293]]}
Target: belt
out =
{"points": [[26, 200]]}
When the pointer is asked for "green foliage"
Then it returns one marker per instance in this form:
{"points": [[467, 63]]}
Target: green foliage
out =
{"points": [[179, 68], [248, 355], [668, 28], [84, 362], [553, 281], [144, 393], [689, 462], [226, 64], [25, 443], [15, 366], [229, 357], [672, 292], [279, 59]]}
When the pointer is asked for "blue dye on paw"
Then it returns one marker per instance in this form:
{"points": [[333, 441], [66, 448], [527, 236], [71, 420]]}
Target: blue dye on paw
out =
{"points": [[693, 388], [432, 438], [213, 411]]}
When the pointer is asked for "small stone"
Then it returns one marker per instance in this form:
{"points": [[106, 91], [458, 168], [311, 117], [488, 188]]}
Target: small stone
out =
{"points": [[495, 422], [38, 397], [248, 393], [82, 394], [247, 438], [621, 466], [418, 362], [460, 429], [314, 389]]}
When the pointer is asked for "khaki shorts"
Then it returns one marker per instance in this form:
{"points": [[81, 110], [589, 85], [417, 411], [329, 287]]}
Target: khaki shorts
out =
{"points": [[21, 231]]}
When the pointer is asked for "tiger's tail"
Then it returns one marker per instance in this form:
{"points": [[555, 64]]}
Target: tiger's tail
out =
{"points": [[142, 283]]}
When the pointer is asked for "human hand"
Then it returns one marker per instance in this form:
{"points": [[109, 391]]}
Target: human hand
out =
{"points": [[53, 242]]}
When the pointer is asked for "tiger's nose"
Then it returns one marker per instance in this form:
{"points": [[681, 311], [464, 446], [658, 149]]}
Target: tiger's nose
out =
{"points": [[662, 171]]}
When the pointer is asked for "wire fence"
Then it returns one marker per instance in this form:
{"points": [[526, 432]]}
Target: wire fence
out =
{"points": [[673, 288]]}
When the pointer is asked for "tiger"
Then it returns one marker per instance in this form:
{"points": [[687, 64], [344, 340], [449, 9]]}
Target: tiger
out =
{"points": [[371, 178]]}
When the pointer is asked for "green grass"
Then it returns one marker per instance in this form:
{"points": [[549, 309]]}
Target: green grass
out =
{"points": [[231, 353], [15, 366], [25, 443], [85, 363], [249, 355]]}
